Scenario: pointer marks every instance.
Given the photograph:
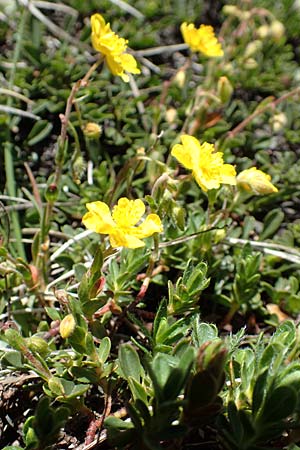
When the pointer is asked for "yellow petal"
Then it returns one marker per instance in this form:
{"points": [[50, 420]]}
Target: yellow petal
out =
{"points": [[201, 39], [128, 212], [208, 43], [100, 32], [152, 224], [98, 218], [205, 182], [121, 63], [228, 174], [187, 152], [189, 34], [129, 63], [119, 239], [97, 24]]}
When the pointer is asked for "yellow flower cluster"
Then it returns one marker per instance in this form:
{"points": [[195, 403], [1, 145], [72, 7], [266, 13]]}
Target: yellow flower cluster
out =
{"points": [[201, 39], [113, 48], [207, 165], [120, 225]]}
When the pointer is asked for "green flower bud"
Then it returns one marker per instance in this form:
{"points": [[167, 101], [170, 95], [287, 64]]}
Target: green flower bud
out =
{"points": [[252, 48], [179, 216], [250, 64], [51, 193], [38, 345], [55, 386], [219, 235], [224, 89]]}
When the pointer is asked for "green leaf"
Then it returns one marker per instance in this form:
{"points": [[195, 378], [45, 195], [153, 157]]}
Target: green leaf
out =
{"points": [[203, 332], [78, 340], [160, 314], [234, 419], [39, 131], [130, 362], [278, 405], [53, 313], [12, 447], [138, 391], [175, 382], [259, 392], [12, 358], [272, 222], [104, 349], [162, 364]]}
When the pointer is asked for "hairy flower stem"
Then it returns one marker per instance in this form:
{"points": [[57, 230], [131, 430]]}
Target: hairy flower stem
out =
{"points": [[146, 281], [43, 257], [258, 111], [149, 272]]}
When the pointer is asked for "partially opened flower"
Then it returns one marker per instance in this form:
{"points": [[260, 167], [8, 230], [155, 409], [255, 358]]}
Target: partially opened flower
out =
{"points": [[113, 48], [121, 225], [255, 181], [201, 39], [207, 165]]}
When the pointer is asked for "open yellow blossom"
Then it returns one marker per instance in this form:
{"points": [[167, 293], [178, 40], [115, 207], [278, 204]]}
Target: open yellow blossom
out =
{"points": [[120, 225], [255, 181], [207, 165], [113, 48], [201, 39]]}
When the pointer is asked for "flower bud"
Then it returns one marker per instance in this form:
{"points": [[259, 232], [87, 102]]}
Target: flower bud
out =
{"points": [[224, 89], [255, 181], [38, 345], [67, 326], [55, 385], [277, 30], [231, 10], [92, 130], [219, 235], [171, 115], [78, 168], [278, 121], [263, 31], [51, 193], [250, 64], [179, 215], [179, 78], [252, 48], [141, 151]]}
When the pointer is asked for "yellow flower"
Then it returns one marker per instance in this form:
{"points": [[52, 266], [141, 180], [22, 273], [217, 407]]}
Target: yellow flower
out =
{"points": [[255, 181], [120, 225], [207, 166], [201, 39], [113, 47]]}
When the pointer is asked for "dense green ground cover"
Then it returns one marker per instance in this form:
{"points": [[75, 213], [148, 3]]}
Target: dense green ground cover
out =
{"points": [[192, 340]]}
